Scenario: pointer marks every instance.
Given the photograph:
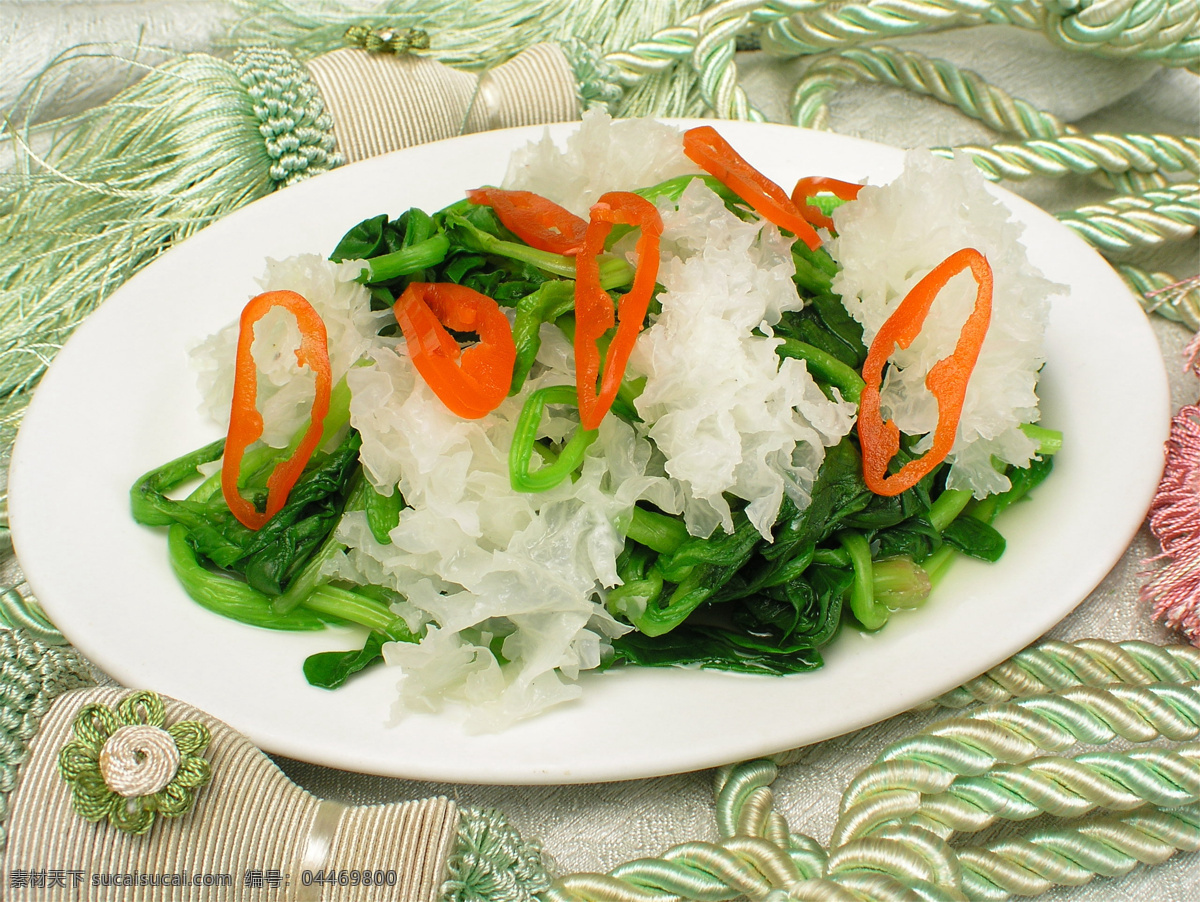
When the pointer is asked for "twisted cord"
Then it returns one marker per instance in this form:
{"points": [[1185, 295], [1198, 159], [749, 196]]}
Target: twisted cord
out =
{"points": [[1139, 221], [1108, 847], [982, 743], [708, 41], [713, 59], [939, 79], [659, 52], [902, 859], [1162, 293], [963, 774], [827, 26], [724, 20], [1063, 787], [1132, 162], [914, 856], [1165, 31], [755, 857], [20, 613], [598, 83], [1051, 666]]}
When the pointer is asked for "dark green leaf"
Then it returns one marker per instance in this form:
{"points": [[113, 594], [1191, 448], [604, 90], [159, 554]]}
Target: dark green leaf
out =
{"points": [[807, 326], [226, 595], [331, 669], [713, 649], [914, 538], [975, 538], [833, 314], [279, 550], [363, 241], [838, 493]]}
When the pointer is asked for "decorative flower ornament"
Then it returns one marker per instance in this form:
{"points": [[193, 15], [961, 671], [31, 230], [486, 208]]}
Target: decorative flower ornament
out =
{"points": [[124, 765]]}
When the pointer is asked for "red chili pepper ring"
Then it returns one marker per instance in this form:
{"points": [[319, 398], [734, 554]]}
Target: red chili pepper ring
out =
{"points": [[472, 383], [246, 423], [947, 379]]}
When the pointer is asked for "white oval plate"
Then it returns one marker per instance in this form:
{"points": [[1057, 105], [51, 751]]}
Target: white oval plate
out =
{"points": [[120, 400]]}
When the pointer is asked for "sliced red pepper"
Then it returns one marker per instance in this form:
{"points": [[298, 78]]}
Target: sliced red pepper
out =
{"points": [[246, 423], [706, 148], [594, 313], [471, 383], [947, 379], [813, 185], [536, 220]]}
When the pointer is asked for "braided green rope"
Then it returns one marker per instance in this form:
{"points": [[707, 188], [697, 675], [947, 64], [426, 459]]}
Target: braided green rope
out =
{"points": [[825, 26], [713, 59], [1139, 221], [1137, 162], [707, 42], [1051, 666], [658, 53], [32, 675], [936, 78], [20, 613], [293, 122], [980, 744], [1165, 31], [1109, 847], [966, 773]]}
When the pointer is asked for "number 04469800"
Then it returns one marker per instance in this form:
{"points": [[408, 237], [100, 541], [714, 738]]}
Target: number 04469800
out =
{"points": [[348, 878]]}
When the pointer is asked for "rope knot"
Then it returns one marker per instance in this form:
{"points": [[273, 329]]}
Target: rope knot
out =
{"points": [[124, 764], [387, 39], [138, 760]]}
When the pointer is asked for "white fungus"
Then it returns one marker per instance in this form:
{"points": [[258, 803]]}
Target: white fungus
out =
{"points": [[285, 389], [726, 414], [508, 587], [888, 239]]}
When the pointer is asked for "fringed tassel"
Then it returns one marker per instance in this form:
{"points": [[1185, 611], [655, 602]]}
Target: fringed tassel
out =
{"points": [[492, 863], [95, 197], [1174, 588]]}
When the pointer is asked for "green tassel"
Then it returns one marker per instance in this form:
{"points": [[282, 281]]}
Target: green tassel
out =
{"points": [[492, 863], [32, 675], [94, 197]]}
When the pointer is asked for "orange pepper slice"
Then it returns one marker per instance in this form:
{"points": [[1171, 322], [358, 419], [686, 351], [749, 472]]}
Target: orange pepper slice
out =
{"points": [[594, 313], [706, 148], [471, 383], [811, 186], [947, 379], [536, 220], [246, 423]]}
